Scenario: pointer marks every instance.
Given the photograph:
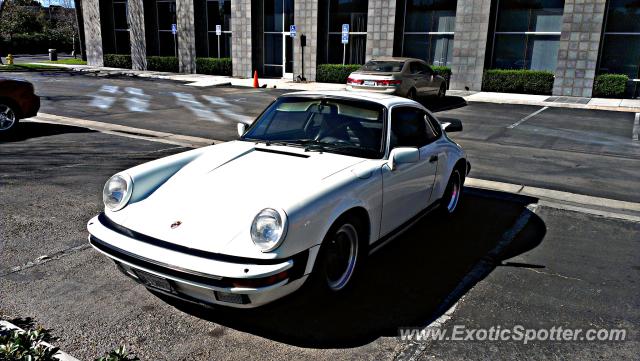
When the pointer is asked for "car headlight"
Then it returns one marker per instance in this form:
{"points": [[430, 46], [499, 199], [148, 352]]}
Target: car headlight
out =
{"points": [[268, 229], [117, 192]]}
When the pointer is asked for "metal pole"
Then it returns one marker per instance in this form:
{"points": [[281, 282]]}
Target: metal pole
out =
{"points": [[218, 46], [175, 46], [302, 63], [344, 53]]}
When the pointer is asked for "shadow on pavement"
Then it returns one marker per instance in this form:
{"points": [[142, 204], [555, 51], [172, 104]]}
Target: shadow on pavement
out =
{"points": [[408, 283], [27, 130], [436, 104]]}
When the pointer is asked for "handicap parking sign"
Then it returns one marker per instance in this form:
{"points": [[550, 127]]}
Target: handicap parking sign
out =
{"points": [[174, 29], [292, 31]]}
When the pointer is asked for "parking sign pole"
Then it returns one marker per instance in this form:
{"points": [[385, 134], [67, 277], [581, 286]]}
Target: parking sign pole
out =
{"points": [[218, 33], [344, 53], [345, 40]]}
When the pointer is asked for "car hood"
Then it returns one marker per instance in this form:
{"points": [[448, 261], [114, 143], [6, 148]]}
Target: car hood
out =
{"points": [[217, 195]]}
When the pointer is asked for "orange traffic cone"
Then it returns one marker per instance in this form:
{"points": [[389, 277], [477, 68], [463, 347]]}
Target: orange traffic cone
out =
{"points": [[255, 79]]}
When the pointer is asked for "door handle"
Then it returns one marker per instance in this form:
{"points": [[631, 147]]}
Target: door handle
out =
{"points": [[433, 159]]}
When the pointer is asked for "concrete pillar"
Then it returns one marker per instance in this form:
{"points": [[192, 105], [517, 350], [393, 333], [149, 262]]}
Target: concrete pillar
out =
{"points": [[137, 35], [381, 21], [186, 36], [306, 19], [470, 43], [241, 38], [93, 32], [579, 42]]}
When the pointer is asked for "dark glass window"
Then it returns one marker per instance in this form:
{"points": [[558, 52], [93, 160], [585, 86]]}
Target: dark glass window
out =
{"points": [[383, 66], [354, 13], [278, 45], [166, 17], [428, 30], [219, 13], [409, 128], [527, 34], [621, 43], [121, 27]]}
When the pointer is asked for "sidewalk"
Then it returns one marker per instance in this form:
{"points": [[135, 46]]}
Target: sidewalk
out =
{"points": [[203, 80]]}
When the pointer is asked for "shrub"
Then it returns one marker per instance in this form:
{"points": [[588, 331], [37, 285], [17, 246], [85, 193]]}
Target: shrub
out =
{"points": [[25, 345], [213, 66], [162, 63], [37, 43], [119, 354], [610, 85], [335, 73], [117, 61], [518, 81], [444, 72]]}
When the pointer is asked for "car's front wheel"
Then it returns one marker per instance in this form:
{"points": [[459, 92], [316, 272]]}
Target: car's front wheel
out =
{"points": [[8, 117], [341, 256]]}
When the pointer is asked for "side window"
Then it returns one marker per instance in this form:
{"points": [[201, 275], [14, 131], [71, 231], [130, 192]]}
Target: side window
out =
{"points": [[409, 128], [414, 67], [426, 69]]}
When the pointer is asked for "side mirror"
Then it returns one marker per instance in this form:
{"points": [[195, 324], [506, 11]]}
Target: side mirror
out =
{"points": [[403, 155], [242, 128], [451, 125]]}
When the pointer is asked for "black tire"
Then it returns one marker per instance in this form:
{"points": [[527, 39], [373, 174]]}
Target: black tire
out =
{"points": [[8, 117], [442, 91], [412, 94], [452, 193], [334, 274]]}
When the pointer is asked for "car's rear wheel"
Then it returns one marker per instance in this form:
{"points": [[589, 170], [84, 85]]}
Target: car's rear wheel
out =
{"points": [[341, 256], [8, 117], [412, 94], [452, 193], [442, 91]]}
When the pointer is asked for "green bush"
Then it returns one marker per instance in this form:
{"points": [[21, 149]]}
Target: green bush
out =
{"points": [[213, 66], [518, 81], [25, 345], [610, 85], [443, 71], [117, 61], [162, 63], [335, 73]]}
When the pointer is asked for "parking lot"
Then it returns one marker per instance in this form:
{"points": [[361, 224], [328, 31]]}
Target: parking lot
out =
{"points": [[505, 259]]}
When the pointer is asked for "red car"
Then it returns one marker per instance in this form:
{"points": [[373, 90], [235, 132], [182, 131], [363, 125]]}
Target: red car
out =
{"points": [[17, 101]]}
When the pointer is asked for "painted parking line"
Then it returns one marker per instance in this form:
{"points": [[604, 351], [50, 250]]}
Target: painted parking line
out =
{"points": [[636, 127], [527, 118]]}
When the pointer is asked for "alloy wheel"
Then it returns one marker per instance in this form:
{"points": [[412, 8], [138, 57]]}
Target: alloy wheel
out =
{"points": [[341, 255], [7, 117]]}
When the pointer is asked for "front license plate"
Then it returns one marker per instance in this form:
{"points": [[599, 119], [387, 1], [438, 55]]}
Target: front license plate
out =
{"points": [[154, 281], [369, 83]]}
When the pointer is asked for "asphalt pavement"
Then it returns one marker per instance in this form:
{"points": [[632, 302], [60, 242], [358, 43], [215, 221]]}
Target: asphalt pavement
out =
{"points": [[504, 260], [575, 150]]}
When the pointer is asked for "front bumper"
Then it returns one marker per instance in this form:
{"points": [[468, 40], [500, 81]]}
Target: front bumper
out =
{"points": [[199, 276]]}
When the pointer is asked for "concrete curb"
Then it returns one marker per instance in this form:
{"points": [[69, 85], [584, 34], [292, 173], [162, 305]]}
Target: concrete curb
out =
{"points": [[169, 138], [62, 356]]}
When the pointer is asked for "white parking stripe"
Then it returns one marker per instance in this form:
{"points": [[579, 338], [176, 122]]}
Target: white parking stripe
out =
{"points": [[636, 127], [527, 118]]}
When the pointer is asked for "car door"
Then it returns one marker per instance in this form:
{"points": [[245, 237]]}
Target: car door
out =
{"points": [[417, 77], [407, 189], [430, 79]]}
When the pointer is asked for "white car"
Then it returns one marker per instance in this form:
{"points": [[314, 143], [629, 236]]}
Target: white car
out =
{"points": [[318, 182]]}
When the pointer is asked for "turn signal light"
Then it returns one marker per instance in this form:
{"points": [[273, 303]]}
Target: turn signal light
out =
{"points": [[260, 282], [354, 81]]}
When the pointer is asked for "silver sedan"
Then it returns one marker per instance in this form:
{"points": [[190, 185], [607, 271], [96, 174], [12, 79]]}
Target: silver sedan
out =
{"points": [[405, 77]]}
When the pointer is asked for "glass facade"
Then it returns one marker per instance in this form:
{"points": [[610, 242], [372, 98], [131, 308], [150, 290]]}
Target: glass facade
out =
{"points": [[527, 34], [219, 13], [354, 13], [429, 27], [121, 27], [278, 45], [166, 10], [621, 42]]}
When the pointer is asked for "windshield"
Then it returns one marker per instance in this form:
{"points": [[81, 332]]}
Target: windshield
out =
{"points": [[384, 66], [350, 127]]}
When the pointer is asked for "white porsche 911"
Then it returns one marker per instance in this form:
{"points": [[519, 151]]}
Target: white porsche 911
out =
{"points": [[318, 182]]}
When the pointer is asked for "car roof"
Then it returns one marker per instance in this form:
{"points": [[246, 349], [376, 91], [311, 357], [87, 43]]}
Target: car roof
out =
{"points": [[384, 99], [393, 58]]}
